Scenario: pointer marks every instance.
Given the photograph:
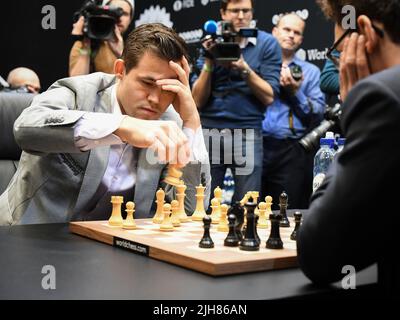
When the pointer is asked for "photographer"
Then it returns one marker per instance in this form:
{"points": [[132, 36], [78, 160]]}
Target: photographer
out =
{"points": [[87, 56], [299, 107], [234, 95]]}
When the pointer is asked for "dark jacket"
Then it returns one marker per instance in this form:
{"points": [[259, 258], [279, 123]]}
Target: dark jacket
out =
{"points": [[353, 217]]}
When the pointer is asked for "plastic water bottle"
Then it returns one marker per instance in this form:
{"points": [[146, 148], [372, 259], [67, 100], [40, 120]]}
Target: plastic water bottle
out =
{"points": [[322, 160], [229, 187]]}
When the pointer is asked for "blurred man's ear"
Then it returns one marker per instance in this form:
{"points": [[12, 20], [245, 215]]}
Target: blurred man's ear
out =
{"points": [[365, 28], [274, 31], [119, 68]]}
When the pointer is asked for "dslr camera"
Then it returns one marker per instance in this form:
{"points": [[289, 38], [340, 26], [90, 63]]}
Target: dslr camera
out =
{"points": [[99, 20], [332, 116], [296, 71], [224, 48]]}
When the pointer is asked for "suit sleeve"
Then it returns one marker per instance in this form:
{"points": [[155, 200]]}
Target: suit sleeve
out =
{"points": [[344, 224], [46, 126]]}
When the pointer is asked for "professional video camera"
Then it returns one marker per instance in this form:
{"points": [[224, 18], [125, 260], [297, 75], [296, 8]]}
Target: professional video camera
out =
{"points": [[311, 140], [99, 20], [224, 48]]}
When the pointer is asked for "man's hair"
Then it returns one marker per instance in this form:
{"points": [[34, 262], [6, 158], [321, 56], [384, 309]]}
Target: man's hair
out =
{"points": [[162, 41], [224, 3], [384, 11]]}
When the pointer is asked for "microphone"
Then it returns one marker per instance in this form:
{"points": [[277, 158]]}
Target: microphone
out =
{"points": [[210, 26]]}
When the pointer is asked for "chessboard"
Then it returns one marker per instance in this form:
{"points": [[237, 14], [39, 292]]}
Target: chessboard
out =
{"points": [[181, 246]]}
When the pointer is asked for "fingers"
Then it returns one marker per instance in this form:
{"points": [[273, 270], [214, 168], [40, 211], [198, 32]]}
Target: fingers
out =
{"points": [[171, 144], [362, 61], [350, 59], [182, 75]]}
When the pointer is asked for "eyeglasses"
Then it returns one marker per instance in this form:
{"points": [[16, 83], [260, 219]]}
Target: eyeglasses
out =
{"points": [[335, 59], [236, 11]]}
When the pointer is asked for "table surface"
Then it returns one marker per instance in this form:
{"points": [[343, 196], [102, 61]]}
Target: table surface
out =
{"points": [[87, 269]]}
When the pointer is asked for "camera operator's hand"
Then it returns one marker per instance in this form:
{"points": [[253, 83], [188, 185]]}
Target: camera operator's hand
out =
{"points": [[353, 63], [207, 44], [183, 102], [290, 85], [117, 44], [77, 27], [240, 64]]}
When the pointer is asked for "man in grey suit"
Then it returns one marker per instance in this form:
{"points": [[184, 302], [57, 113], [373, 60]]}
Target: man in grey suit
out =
{"points": [[89, 137], [351, 223]]}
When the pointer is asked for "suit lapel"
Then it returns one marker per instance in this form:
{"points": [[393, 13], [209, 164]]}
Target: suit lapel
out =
{"points": [[98, 158]]}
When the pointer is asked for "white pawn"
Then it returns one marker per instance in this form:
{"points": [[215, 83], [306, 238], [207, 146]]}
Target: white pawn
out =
{"points": [[268, 201], [223, 221], [159, 216], [175, 214], [215, 213], [262, 221], [129, 222], [167, 225]]}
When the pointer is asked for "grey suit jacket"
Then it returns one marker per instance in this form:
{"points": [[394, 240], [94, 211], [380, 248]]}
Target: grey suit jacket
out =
{"points": [[55, 180]]}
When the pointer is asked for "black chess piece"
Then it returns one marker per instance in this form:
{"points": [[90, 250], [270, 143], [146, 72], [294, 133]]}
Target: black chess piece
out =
{"points": [[232, 240], [249, 241], [255, 227], [206, 241], [238, 211], [274, 241], [297, 219], [283, 204]]}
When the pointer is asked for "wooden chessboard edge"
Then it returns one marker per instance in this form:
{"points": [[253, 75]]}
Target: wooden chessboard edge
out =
{"points": [[188, 263], [90, 234]]}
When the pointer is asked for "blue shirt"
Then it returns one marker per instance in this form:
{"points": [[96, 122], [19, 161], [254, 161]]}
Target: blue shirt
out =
{"points": [[232, 104], [307, 105]]}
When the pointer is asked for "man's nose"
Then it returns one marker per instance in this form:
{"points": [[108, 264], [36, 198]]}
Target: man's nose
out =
{"points": [[154, 95]]}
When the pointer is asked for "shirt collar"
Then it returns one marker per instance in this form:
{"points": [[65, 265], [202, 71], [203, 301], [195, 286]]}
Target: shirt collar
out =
{"points": [[116, 109], [245, 41]]}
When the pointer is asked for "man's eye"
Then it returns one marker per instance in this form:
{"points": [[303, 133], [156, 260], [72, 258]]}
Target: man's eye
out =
{"points": [[148, 83]]}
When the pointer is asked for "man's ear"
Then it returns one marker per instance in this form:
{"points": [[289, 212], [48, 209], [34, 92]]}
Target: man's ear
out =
{"points": [[275, 31], [366, 29], [222, 12], [119, 68]]}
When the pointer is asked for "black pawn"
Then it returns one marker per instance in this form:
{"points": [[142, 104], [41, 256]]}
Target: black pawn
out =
{"points": [[297, 220], [274, 241], [232, 240], [283, 204], [206, 241], [249, 242], [238, 211]]}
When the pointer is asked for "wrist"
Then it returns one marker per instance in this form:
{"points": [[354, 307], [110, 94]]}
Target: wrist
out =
{"points": [[193, 123], [245, 72], [208, 67], [123, 129]]}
